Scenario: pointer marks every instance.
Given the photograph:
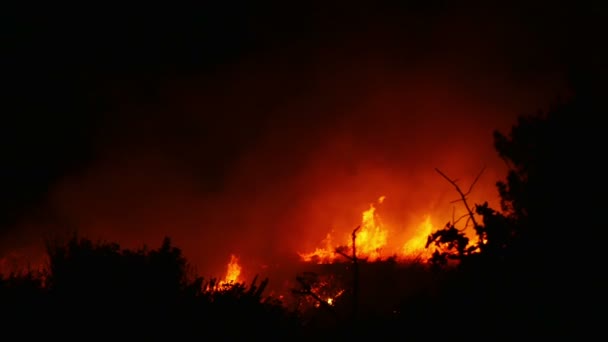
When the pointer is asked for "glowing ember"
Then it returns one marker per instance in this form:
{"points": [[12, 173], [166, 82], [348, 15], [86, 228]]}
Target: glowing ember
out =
{"points": [[372, 240], [331, 300], [232, 273], [328, 291]]}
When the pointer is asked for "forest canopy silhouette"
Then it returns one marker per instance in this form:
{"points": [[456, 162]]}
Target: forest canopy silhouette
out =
{"points": [[525, 271]]}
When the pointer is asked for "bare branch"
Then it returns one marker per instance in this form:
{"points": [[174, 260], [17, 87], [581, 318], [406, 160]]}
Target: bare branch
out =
{"points": [[355, 302], [348, 257], [459, 218], [475, 181], [466, 224], [463, 196], [307, 290]]}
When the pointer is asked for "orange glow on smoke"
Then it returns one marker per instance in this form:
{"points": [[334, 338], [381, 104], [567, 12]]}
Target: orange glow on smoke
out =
{"points": [[372, 241]]}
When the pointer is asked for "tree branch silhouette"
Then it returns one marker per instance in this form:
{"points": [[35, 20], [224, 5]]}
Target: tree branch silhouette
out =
{"points": [[463, 195]]}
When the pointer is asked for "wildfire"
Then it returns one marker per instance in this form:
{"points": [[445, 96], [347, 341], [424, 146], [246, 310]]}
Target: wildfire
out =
{"points": [[372, 240], [415, 246], [233, 272], [372, 236]]}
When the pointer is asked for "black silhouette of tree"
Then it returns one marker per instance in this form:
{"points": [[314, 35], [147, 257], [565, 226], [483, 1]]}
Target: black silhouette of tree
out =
{"points": [[539, 256], [552, 174]]}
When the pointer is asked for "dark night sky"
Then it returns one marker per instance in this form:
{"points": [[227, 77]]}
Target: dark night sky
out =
{"points": [[216, 116]]}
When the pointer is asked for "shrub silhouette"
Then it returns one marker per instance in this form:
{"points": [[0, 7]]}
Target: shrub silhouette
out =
{"points": [[103, 290]]}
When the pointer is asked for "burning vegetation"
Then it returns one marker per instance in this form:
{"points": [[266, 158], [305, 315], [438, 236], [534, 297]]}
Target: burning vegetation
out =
{"points": [[372, 241], [233, 272]]}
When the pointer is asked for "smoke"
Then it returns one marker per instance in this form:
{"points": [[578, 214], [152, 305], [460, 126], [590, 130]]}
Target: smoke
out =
{"points": [[267, 154]]}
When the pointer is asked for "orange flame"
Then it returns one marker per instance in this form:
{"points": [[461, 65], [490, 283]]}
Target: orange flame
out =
{"points": [[233, 272], [415, 246], [372, 240], [372, 236]]}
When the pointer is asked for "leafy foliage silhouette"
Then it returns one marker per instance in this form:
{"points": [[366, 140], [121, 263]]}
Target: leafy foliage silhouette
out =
{"points": [[515, 264]]}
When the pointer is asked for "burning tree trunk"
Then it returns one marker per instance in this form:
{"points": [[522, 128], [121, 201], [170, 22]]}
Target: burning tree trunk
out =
{"points": [[355, 276], [353, 258]]}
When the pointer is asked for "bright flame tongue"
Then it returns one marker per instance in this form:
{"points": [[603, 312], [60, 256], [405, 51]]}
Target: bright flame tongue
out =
{"points": [[371, 238], [233, 272]]}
